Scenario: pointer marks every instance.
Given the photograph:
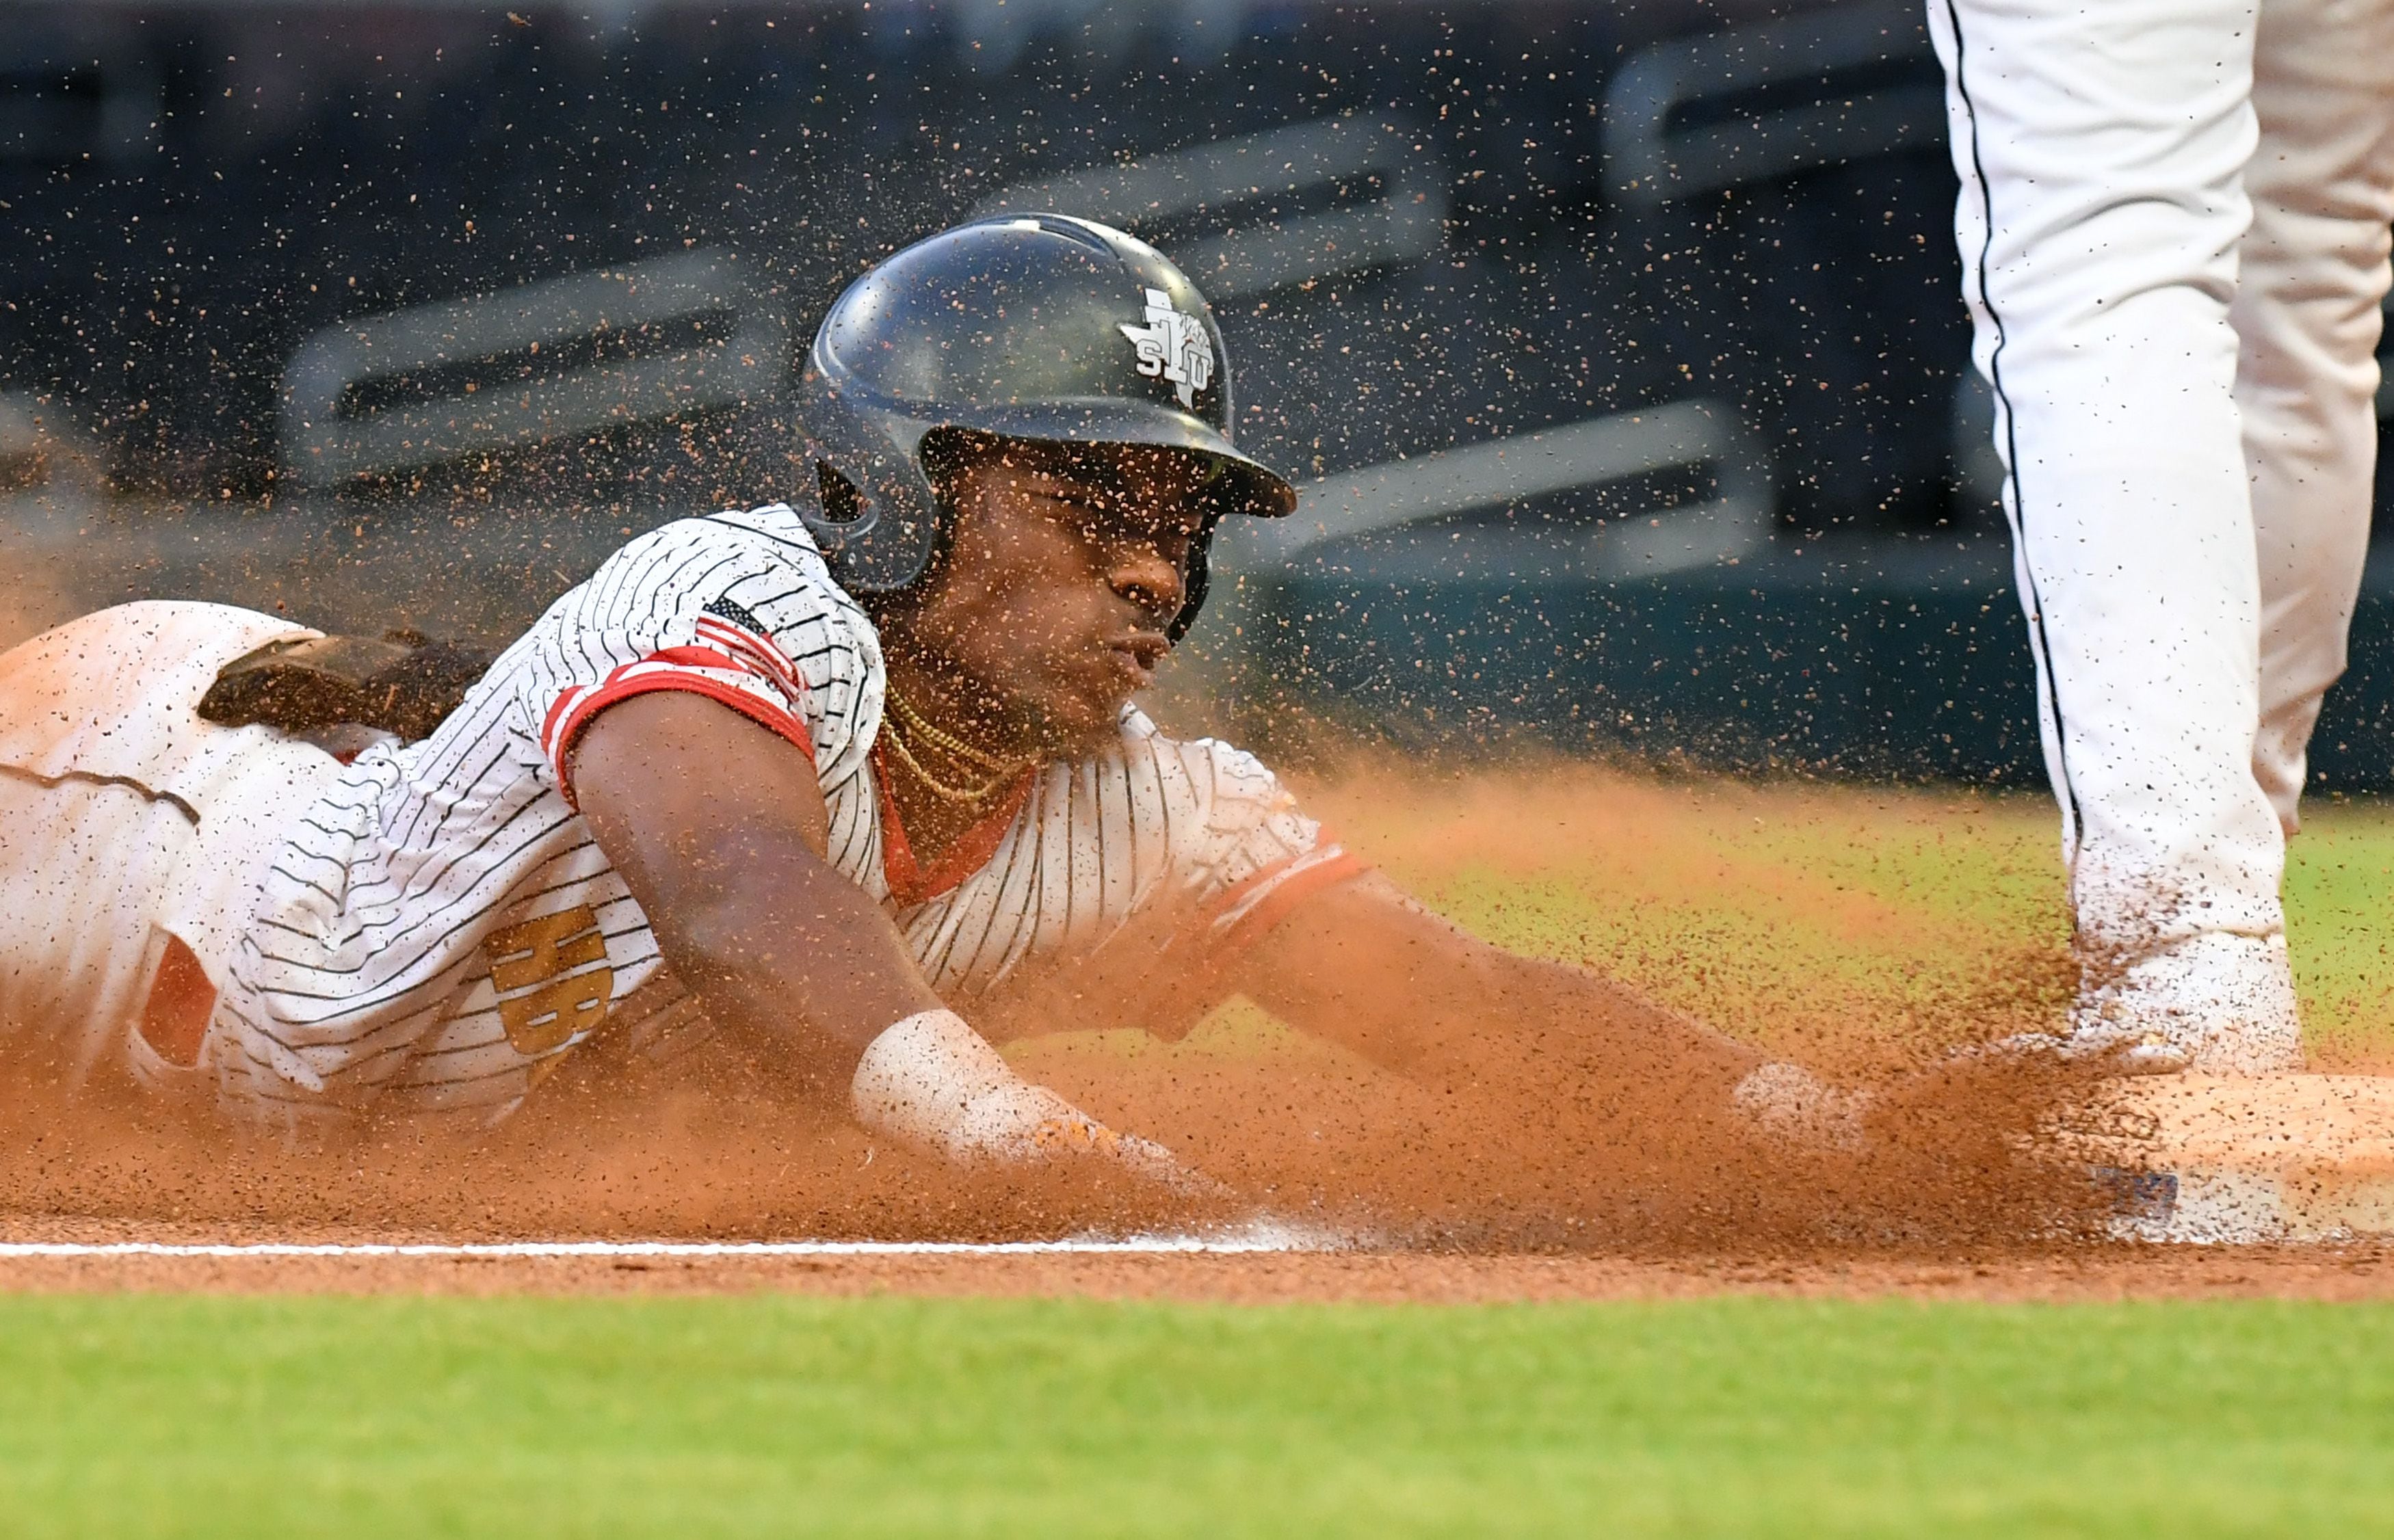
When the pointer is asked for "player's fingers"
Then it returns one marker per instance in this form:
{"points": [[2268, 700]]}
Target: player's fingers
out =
{"points": [[1152, 1160], [1076, 1135], [1789, 1104]]}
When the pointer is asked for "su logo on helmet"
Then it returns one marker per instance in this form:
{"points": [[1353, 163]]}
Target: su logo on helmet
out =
{"points": [[1173, 345]]}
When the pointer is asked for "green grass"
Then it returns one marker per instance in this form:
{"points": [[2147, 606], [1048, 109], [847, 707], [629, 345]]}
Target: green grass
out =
{"points": [[1803, 905], [194, 1415], [2340, 926]]}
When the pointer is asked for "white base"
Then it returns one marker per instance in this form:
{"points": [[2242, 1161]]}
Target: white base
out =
{"points": [[2218, 1002], [2230, 1160]]}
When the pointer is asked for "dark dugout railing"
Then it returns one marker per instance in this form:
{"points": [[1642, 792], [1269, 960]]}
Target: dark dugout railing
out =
{"points": [[1622, 345]]}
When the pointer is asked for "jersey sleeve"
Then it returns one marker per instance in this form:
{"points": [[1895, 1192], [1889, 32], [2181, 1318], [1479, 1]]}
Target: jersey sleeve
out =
{"points": [[714, 606], [1251, 855]]}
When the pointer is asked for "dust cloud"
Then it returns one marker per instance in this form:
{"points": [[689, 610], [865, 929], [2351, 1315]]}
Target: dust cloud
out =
{"points": [[1530, 1147]]}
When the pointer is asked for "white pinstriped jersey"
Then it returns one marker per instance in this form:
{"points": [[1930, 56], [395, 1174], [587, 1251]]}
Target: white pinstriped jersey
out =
{"points": [[440, 926]]}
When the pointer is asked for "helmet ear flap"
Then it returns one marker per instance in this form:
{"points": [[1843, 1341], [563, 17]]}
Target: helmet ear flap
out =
{"points": [[867, 502], [1194, 573], [836, 497], [832, 507]]}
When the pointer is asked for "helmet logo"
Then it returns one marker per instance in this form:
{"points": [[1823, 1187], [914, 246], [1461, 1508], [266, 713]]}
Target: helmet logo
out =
{"points": [[1173, 345]]}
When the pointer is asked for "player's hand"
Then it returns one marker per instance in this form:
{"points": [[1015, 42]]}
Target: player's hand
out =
{"points": [[933, 1080], [1025, 1123], [1790, 1104]]}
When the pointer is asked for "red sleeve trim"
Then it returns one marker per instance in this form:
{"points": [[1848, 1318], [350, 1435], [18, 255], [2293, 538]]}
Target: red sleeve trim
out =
{"points": [[698, 657], [756, 651], [1283, 900], [579, 711]]}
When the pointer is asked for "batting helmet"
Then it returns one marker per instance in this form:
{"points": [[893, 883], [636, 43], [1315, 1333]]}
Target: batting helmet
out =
{"points": [[1033, 326]]}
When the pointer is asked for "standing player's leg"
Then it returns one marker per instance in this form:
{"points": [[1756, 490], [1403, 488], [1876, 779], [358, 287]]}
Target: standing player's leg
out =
{"points": [[2102, 151], [2308, 317]]}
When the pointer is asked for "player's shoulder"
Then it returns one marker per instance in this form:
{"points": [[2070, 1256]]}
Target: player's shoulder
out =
{"points": [[772, 532], [756, 562], [1211, 771], [1217, 809], [776, 524]]}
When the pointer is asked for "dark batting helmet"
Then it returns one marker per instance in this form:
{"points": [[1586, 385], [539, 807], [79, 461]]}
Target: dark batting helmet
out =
{"points": [[1033, 326]]}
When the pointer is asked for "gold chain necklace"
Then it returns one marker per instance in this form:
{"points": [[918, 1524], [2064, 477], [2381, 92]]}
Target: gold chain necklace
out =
{"points": [[903, 719], [947, 743]]}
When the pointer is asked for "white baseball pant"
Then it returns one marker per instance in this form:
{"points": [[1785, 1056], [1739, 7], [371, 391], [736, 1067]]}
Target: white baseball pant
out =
{"points": [[2174, 226], [125, 820]]}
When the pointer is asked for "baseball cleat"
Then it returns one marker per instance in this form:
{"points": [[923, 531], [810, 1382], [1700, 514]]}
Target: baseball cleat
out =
{"points": [[2219, 1003], [2112, 1053]]}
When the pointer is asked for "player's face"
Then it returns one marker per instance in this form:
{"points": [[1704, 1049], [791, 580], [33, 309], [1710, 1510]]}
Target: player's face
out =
{"points": [[1050, 610]]}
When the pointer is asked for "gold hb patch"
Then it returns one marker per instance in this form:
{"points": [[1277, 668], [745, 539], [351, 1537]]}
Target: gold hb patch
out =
{"points": [[544, 1002]]}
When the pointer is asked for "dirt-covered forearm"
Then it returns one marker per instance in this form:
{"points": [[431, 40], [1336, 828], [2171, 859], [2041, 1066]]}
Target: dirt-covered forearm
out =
{"points": [[1365, 966], [718, 827]]}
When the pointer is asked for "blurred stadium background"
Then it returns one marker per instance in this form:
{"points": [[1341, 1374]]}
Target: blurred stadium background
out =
{"points": [[1618, 347]]}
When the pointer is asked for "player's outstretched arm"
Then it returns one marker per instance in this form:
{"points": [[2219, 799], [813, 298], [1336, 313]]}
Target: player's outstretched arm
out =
{"points": [[719, 829], [718, 826], [1363, 965]]}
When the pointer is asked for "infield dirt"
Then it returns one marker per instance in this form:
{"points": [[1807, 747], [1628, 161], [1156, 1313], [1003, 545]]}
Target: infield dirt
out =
{"points": [[2003, 1275], [1866, 934]]}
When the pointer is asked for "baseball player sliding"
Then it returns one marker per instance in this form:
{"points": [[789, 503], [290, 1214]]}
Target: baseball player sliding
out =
{"points": [[821, 776], [2173, 229]]}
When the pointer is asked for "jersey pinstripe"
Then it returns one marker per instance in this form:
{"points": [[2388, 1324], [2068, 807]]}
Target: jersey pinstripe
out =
{"points": [[440, 926]]}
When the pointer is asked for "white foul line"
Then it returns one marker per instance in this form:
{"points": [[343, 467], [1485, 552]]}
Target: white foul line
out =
{"points": [[1144, 1245]]}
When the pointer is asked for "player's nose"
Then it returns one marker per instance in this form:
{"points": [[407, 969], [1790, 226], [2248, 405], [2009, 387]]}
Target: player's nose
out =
{"points": [[1148, 577]]}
